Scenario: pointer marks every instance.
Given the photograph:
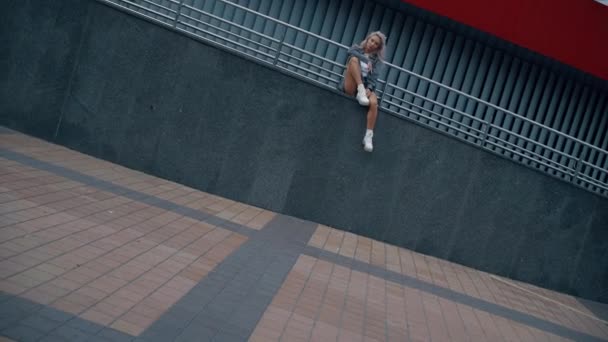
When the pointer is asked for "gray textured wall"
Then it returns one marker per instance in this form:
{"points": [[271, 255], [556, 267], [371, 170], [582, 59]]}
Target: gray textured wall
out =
{"points": [[38, 51], [220, 123]]}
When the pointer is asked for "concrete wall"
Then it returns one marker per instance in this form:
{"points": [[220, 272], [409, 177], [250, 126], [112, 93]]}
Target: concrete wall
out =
{"points": [[39, 46], [150, 99]]}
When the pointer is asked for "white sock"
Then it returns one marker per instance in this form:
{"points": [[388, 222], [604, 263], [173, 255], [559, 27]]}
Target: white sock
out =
{"points": [[361, 88], [369, 133]]}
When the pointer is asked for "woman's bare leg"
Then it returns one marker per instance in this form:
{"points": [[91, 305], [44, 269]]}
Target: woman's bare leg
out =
{"points": [[352, 76], [372, 112]]}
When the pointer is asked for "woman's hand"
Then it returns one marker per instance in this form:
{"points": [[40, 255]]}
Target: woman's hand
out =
{"points": [[368, 93]]}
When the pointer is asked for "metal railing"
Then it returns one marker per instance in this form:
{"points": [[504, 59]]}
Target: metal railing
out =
{"points": [[448, 110]]}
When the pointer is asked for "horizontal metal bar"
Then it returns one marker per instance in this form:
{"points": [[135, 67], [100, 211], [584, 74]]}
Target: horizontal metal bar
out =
{"points": [[467, 133], [510, 145], [282, 23], [506, 111], [308, 71], [566, 170], [137, 14], [594, 167], [592, 181], [533, 142], [146, 9], [160, 6], [441, 119], [225, 39], [307, 78], [437, 121], [315, 55], [509, 133], [531, 155], [309, 63], [444, 106], [228, 23], [265, 46]]}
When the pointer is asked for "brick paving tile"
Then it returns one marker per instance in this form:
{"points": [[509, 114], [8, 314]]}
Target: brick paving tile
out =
{"points": [[40, 296], [260, 220], [148, 310], [97, 317], [69, 306], [319, 238], [349, 245], [127, 327], [246, 215], [364, 249], [334, 240]]}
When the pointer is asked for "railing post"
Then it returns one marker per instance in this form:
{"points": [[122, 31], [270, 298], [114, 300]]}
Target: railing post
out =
{"points": [[179, 10], [281, 41], [484, 136], [486, 130], [383, 92], [578, 165]]}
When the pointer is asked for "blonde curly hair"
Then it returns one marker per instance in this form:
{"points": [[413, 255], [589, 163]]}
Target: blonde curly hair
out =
{"points": [[380, 52]]}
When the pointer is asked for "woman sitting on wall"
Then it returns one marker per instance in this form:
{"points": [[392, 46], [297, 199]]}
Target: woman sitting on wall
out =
{"points": [[361, 76]]}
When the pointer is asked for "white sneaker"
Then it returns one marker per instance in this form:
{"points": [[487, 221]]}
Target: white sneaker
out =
{"points": [[362, 98], [368, 146]]}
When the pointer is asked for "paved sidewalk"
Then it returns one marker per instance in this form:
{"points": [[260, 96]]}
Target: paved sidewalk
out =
{"points": [[92, 251]]}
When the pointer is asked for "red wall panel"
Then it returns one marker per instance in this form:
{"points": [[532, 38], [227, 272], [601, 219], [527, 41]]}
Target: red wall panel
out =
{"points": [[574, 32]]}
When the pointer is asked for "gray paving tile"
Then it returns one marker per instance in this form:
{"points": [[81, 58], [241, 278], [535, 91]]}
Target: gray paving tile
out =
{"points": [[179, 317], [5, 296], [72, 334], [160, 332], [54, 314], [112, 335], [41, 323], [52, 338], [22, 333], [7, 322], [224, 336], [84, 326], [199, 332]]}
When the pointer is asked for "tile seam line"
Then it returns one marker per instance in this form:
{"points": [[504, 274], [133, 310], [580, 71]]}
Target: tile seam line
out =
{"points": [[67, 252], [126, 192], [496, 321], [257, 239], [466, 329], [175, 275], [295, 305], [512, 284], [345, 296], [59, 212], [322, 301], [107, 273], [475, 303]]}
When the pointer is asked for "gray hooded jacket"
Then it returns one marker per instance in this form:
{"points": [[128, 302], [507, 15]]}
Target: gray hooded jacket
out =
{"points": [[371, 80]]}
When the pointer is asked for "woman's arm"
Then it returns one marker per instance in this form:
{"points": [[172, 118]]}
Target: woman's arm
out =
{"points": [[356, 51], [372, 80]]}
